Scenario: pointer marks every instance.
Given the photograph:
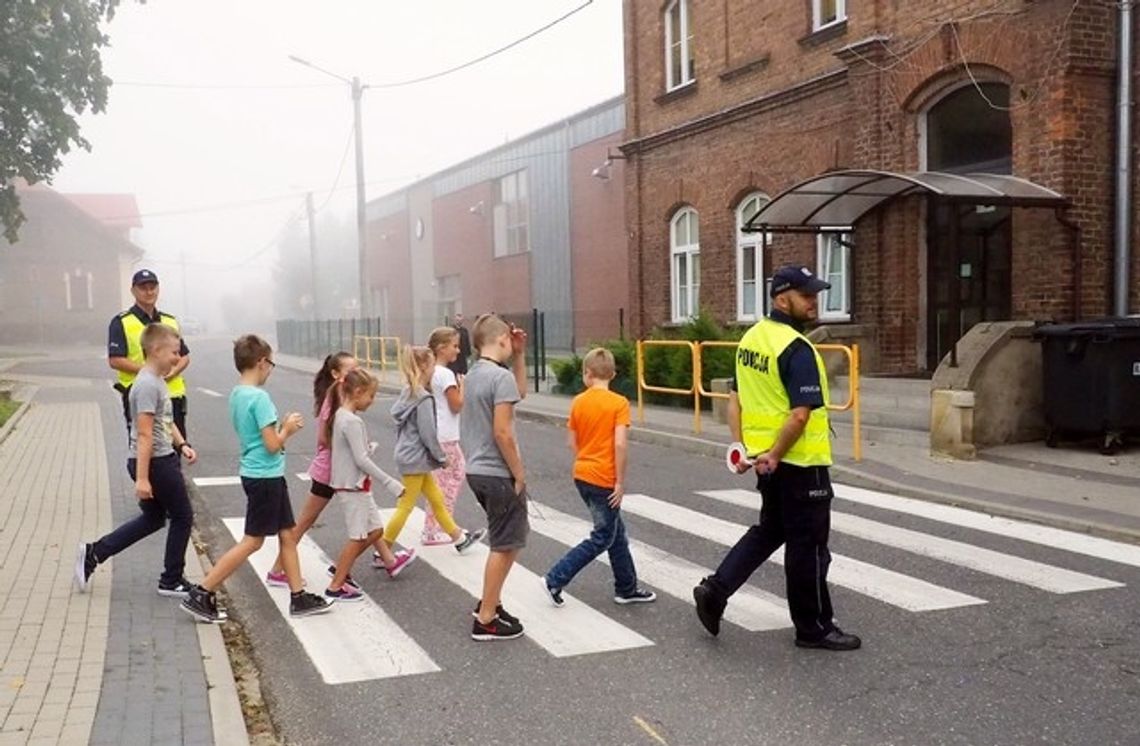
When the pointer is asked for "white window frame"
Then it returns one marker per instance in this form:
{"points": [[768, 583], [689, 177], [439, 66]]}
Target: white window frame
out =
{"points": [[67, 290], [511, 216], [683, 44], [690, 292], [824, 271], [90, 291], [818, 24], [759, 243]]}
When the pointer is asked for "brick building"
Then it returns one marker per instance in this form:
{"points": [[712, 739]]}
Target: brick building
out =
{"points": [[69, 271], [536, 223], [732, 102]]}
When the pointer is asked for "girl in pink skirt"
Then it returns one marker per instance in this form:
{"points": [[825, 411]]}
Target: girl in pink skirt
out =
{"points": [[448, 393]]}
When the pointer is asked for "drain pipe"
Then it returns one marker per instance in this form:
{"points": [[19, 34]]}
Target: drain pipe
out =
{"points": [[1123, 163]]}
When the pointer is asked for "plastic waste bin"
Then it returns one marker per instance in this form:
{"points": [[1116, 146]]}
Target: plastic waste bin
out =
{"points": [[1092, 380]]}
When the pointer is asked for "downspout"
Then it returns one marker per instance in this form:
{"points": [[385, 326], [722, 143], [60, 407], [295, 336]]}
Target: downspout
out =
{"points": [[1123, 223]]}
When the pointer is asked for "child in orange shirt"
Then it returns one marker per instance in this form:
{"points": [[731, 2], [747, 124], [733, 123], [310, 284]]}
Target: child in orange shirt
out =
{"points": [[598, 435]]}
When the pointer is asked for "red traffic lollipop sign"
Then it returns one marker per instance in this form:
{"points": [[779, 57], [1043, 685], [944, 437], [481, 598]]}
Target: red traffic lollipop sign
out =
{"points": [[735, 456]]}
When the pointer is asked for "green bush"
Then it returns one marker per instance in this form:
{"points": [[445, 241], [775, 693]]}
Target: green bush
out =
{"points": [[670, 367]]}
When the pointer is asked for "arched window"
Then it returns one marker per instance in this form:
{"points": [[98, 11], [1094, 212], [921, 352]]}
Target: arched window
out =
{"points": [[678, 45], [751, 300], [969, 130], [685, 263]]}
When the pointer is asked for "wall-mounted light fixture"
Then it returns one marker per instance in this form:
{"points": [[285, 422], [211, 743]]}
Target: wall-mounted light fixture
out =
{"points": [[476, 209], [603, 171]]}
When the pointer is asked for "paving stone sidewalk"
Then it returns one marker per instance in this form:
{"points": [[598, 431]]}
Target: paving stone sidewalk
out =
{"points": [[116, 665]]}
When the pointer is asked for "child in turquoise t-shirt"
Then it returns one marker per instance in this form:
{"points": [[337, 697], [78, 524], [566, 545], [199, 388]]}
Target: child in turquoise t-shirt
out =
{"points": [[268, 512]]}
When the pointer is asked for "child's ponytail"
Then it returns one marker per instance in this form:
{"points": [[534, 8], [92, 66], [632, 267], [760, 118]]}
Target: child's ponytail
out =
{"points": [[413, 362], [324, 379], [353, 381]]}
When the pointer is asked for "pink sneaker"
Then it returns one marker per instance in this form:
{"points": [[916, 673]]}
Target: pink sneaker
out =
{"points": [[436, 539], [404, 558], [277, 579]]}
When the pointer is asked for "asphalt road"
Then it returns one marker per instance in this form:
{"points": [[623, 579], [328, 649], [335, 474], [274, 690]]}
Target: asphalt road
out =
{"points": [[1028, 666]]}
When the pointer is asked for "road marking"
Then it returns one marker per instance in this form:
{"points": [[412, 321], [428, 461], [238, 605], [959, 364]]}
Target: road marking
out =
{"points": [[304, 476], [216, 481], [640, 722], [1001, 565], [210, 392], [885, 585], [575, 629], [1069, 541], [751, 608], [356, 641]]}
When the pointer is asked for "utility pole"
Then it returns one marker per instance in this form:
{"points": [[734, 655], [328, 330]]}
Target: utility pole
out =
{"points": [[312, 213], [361, 220]]}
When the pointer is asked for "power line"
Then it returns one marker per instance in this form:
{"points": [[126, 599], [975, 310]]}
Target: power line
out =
{"points": [[340, 169], [487, 56], [220, 86]]}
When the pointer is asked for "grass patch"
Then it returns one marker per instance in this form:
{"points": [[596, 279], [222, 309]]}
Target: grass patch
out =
{"points": [[8, 408]]}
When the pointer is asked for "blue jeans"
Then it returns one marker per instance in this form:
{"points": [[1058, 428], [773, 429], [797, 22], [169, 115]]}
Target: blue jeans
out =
{"points": [[608, 536], [170, 501]]}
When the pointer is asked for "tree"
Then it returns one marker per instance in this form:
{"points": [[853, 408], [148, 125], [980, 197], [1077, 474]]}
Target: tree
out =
{"points": [[51, 71]]}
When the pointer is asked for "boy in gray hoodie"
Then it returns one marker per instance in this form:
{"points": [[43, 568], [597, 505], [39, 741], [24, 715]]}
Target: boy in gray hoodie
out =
{"points": [[418, 452]]}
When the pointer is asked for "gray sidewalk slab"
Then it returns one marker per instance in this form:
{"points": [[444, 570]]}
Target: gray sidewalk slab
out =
{"points": [[119, 664], [1073, 488]]}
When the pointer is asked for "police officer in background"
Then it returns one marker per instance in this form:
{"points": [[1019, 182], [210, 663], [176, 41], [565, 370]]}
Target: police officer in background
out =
{"points": [[124, 351], [777, 411]]}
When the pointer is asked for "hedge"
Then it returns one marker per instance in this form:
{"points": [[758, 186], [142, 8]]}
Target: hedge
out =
{"points": [[670, 367]]}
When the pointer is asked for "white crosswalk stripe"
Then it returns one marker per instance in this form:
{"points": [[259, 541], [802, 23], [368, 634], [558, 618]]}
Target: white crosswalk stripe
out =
{"points": [[210, 392], [998, 564], [753, 609], [356, 641], [1069, 541], [574, 629], [888, 586], [216, 481]]}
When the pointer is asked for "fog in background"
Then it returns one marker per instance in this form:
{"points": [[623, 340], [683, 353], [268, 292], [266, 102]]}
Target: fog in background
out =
{"points": [[219, 135]]}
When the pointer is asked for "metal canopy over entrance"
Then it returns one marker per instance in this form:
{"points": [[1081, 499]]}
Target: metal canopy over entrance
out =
{"points": [[834, 201]]}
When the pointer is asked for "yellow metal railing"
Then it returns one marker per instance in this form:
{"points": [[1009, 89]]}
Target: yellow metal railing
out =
{"points": [[380, 344], [642, 386], [697, 389]]}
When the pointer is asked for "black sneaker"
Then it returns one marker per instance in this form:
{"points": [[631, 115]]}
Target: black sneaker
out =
{"points": [[636, 596], [555, 594], [500, 612], [202, 605], [496, 629], [307, 604], [178, 589], [836, 639], [84, 566], [710, 606], [469, 539], [347, 581]]}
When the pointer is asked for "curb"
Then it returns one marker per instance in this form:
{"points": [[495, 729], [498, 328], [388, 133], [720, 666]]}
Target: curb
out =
{"points": [[226, 718], [10, 425], [714, 449]]}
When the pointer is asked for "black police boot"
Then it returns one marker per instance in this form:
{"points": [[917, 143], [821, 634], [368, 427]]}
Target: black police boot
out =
{"points": [[710, 605]]}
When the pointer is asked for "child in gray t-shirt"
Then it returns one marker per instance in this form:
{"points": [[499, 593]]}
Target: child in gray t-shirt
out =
{"points": [[156, 445], [494, 465]]}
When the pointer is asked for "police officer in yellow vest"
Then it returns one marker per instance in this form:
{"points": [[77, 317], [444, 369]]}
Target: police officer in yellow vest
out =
{"points": [[124, 351], [777, 411]]}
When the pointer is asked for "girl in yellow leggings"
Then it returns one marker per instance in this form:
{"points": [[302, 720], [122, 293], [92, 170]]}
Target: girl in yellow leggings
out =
{"points": [[418, 451]]}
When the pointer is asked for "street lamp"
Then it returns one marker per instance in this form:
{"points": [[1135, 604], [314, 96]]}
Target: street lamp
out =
{"points": [[358, 135]]}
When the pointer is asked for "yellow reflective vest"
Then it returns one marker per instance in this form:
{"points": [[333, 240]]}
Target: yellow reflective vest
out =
{"points": [[132, 330], [764, 402]]}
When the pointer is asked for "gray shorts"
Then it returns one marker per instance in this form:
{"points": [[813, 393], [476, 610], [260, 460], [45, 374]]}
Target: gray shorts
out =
{"points": [[361, 516], [507, 524]]}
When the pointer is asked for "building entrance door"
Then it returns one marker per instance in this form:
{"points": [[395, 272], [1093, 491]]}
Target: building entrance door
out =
{"points": [[969, 253]]}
